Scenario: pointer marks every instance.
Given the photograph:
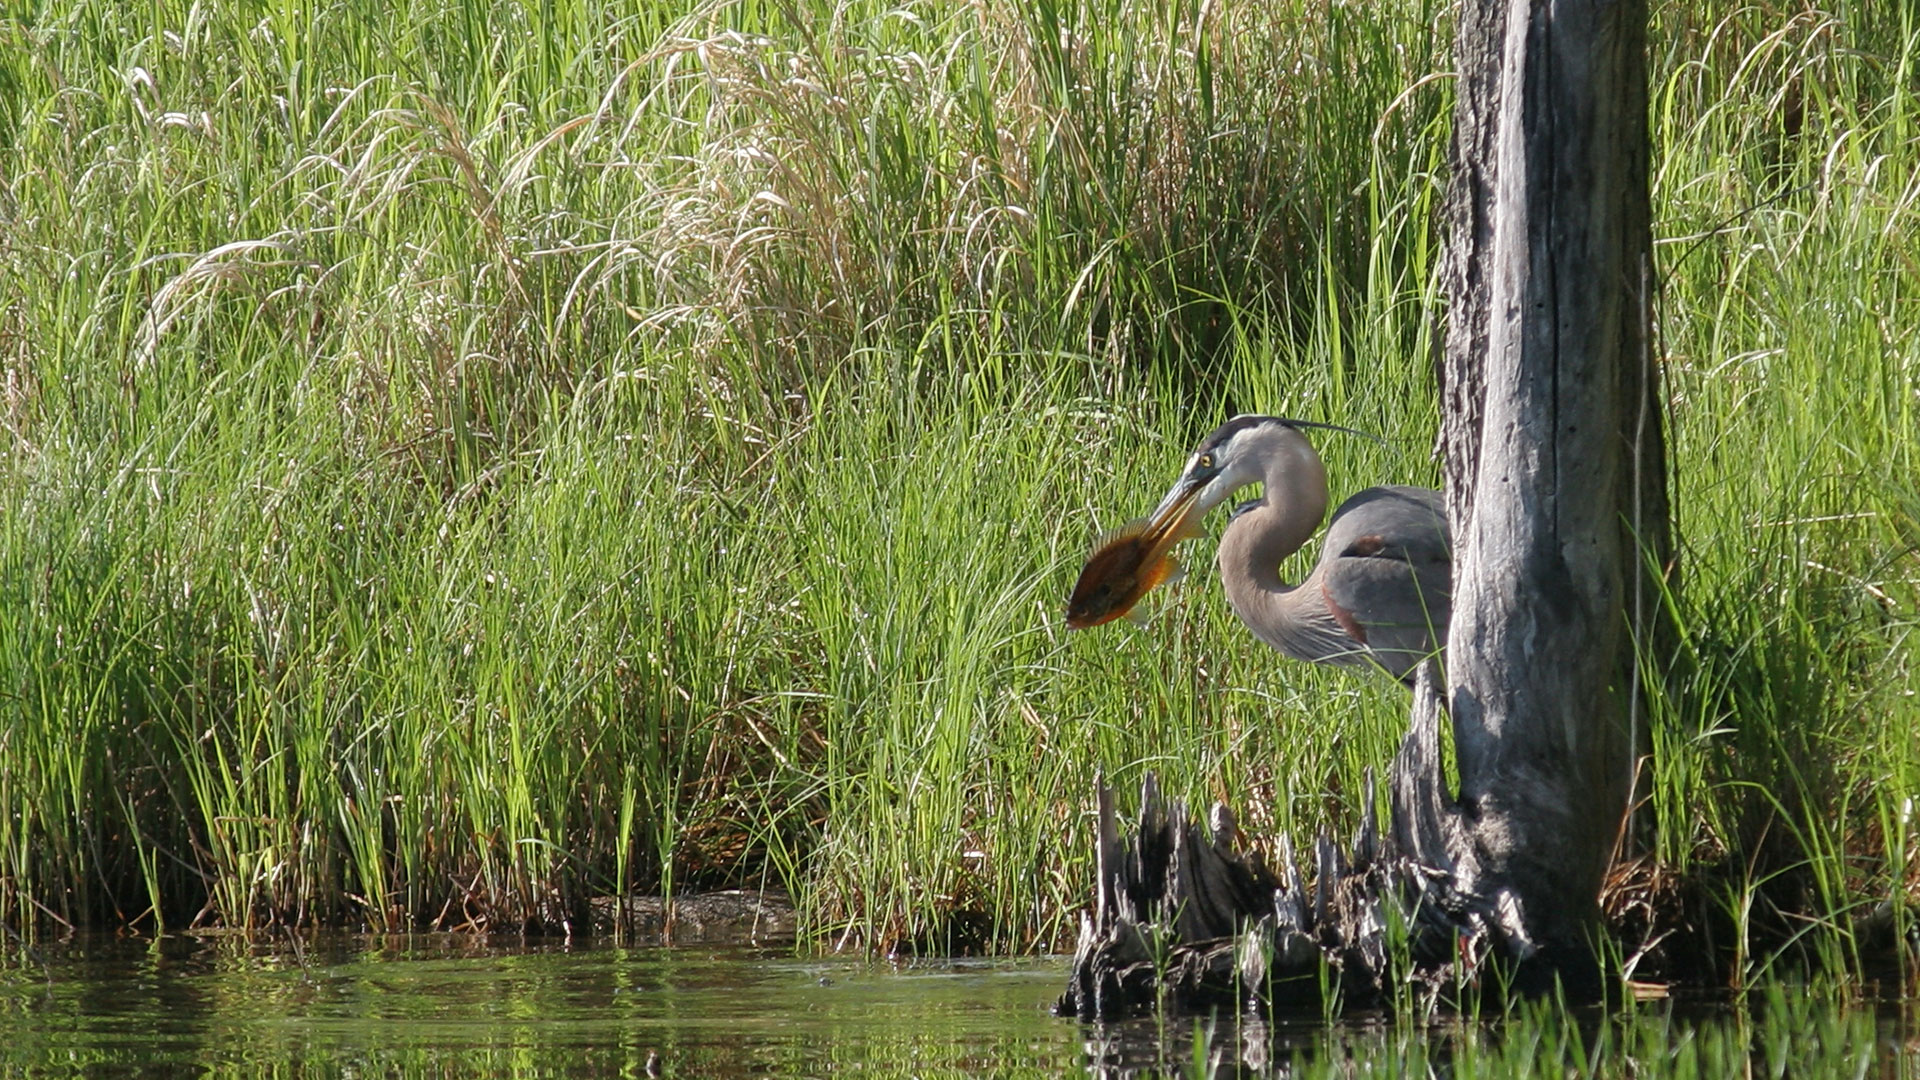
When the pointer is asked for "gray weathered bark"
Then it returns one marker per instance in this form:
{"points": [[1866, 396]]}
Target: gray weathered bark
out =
{"points": [[1555, 465]]}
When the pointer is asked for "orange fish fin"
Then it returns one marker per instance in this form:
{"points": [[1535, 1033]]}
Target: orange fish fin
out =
{"points": [[1161, 573], [1131, 528]]}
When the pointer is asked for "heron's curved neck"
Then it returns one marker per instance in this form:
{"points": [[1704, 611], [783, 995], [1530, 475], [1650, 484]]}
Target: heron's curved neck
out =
{"points": [[1257, 541]]}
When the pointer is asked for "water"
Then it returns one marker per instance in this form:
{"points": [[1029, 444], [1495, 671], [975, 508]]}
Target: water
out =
{"points": [[383, 1006], [443, 1006]]}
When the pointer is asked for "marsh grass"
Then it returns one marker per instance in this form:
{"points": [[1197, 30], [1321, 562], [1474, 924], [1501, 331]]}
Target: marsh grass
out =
{"points": [[462, 459]]}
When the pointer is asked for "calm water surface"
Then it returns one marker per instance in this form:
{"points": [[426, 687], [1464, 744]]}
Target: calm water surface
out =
{"points": [[387, 1006], [403, 1007]]}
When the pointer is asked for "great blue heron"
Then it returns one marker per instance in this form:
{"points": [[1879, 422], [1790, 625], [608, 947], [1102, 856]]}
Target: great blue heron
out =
{"points": [[1380, 594]]}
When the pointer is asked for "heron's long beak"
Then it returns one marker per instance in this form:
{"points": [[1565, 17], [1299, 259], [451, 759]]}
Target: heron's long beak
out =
{"points": [[1177, 517]]}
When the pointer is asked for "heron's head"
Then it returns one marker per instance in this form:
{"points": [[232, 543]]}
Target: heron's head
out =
{"points": [[1244, 450], [1134, 560]]}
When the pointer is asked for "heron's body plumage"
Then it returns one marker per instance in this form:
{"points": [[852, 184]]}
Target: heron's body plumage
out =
{"points": [[1381, 591]]}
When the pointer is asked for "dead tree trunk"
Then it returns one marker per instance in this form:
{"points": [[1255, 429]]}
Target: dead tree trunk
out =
{"points": [[1556, 496], [1555, 469]]}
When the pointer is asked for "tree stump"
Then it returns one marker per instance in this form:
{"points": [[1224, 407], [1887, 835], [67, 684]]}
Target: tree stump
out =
{"points": [[1184, 920]]}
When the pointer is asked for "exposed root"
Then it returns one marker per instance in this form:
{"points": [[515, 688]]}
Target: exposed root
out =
{"points": [[1182, 920]]}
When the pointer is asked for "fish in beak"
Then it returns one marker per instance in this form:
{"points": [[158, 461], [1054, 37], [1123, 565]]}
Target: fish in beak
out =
{"points": [[1136, 558]]}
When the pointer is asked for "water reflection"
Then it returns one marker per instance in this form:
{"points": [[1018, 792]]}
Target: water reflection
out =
{"points": [[1784, 1031], [413, 1006], [434, 1006]]}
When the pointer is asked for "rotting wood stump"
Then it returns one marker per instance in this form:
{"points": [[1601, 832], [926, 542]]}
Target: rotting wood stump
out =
{"points": [[1184, 920]]}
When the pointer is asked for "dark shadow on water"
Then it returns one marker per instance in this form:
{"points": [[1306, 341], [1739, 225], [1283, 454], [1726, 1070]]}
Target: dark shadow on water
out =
{"points": [[1792, 1031], [1223, 1046]]}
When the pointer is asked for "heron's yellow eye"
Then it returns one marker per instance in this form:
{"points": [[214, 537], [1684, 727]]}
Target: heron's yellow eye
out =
{"points": [[1206, 461]]}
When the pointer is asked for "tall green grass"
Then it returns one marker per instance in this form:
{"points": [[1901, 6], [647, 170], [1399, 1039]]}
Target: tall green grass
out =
{"points": [[461, 459], [1785, 770]]}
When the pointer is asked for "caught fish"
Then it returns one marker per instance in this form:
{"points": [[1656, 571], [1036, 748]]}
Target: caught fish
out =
{"points": [[1127, 564]]}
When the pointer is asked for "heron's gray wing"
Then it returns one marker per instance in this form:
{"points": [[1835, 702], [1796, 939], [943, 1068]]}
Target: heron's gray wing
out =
{"points": [[1386, 573]]}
